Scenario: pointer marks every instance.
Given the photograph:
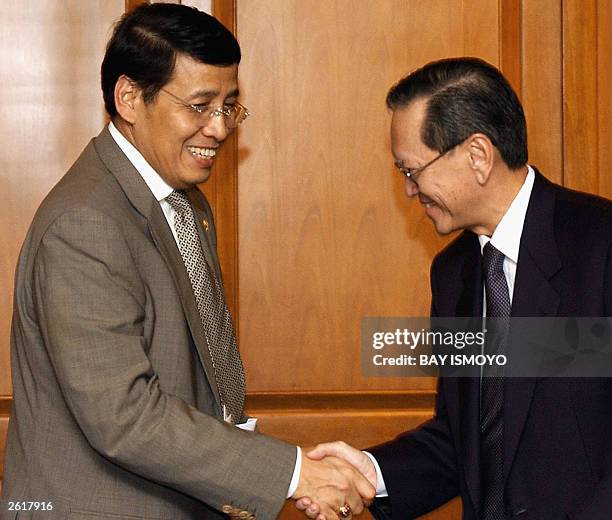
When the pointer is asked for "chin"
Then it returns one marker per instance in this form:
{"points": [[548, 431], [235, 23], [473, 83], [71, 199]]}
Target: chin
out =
{"points": [[204, 177], [197, 177], [443, 228]]}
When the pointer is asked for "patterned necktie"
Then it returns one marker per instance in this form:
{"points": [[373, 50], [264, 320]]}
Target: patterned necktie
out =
{"points": [[492, 386], [214, 314]]}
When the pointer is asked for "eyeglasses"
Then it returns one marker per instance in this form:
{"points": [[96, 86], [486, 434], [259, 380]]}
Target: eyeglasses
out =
{"points": [[411, 173], [233, 115]]}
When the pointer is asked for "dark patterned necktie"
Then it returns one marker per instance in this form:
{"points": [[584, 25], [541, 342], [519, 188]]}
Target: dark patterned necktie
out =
{"points": [[492, 386], [214, 314]]}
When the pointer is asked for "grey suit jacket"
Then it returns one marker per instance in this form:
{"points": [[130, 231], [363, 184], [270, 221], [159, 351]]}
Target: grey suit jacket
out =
{"points": [[116, 412]]}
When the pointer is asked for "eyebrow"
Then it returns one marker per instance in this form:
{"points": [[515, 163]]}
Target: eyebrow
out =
{"points": [[211, 94]]}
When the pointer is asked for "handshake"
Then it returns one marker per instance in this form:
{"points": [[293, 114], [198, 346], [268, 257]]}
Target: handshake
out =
{"points": [[336, 482]]}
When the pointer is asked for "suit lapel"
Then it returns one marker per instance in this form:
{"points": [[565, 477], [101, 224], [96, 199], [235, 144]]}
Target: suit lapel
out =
{"points": [[466, 390], [470, 304], [143, 201], [533, 296]]}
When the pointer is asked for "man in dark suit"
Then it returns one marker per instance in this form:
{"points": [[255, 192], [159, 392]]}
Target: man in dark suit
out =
{"points": [[128, 385], [509, 447]]}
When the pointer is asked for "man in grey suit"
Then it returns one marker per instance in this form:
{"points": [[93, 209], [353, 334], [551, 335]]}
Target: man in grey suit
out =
{"points": [[128, 385]]}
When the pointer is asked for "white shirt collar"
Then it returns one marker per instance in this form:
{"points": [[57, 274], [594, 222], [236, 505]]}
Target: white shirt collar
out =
{"points": [[156, 184], [507, 235]]}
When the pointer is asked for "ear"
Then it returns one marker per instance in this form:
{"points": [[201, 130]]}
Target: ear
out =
{"points": [[126, 98], [481, 156]]}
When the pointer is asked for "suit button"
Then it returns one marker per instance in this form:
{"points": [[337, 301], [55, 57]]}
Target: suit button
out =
{"points": [[227, 509], [243, 515]]}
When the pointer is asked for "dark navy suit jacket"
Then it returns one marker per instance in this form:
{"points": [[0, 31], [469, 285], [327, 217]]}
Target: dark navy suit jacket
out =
{"points": [[558, 431]]}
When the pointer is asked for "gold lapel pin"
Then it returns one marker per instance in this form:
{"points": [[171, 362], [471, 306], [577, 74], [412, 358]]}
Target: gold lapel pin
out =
{"points": [[205, 224]]}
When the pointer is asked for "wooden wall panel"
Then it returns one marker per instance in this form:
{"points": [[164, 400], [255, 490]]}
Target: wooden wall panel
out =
{"points": [[4, 419], [3, 428], [308, 420], [541, 86], [586, 65], [580, 90], [604, 95], [326, 233], [510, 48], [51, 107], [130, 5]]}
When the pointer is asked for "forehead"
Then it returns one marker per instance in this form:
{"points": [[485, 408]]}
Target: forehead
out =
{"points": [[406, 125], [193, 76]]}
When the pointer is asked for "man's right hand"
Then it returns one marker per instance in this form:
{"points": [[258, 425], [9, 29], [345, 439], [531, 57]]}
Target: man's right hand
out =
{"points": [[357, 460], [331, 483], [342, 450]]}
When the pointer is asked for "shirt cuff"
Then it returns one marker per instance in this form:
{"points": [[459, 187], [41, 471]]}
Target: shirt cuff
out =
{"points": [[381, 489], [295, 480]]}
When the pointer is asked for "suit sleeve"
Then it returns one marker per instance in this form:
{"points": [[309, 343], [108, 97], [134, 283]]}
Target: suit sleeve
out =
{"points": [[599, 504], [89, 301], [420, 467], [608, 285]]}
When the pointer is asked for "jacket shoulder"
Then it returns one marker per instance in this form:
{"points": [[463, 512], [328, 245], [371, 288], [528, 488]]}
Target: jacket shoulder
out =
{"points": [[582, 211], [87, 185]]}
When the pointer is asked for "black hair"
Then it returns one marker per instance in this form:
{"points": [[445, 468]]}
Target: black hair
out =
{"points": [[146, 41], [465, 96]]}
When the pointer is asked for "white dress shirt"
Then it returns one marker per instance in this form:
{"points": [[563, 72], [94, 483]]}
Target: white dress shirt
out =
{"points": [[158, 186], [507, 235], [507, 239], [161, 189]]}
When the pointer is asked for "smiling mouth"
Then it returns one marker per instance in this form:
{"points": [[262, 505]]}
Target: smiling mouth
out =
{"points": [[428, 203], [202, 152]]}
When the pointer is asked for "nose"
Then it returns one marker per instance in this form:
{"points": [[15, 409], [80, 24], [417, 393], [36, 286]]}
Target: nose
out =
{"points": [[216, 128], [411, 187]]}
